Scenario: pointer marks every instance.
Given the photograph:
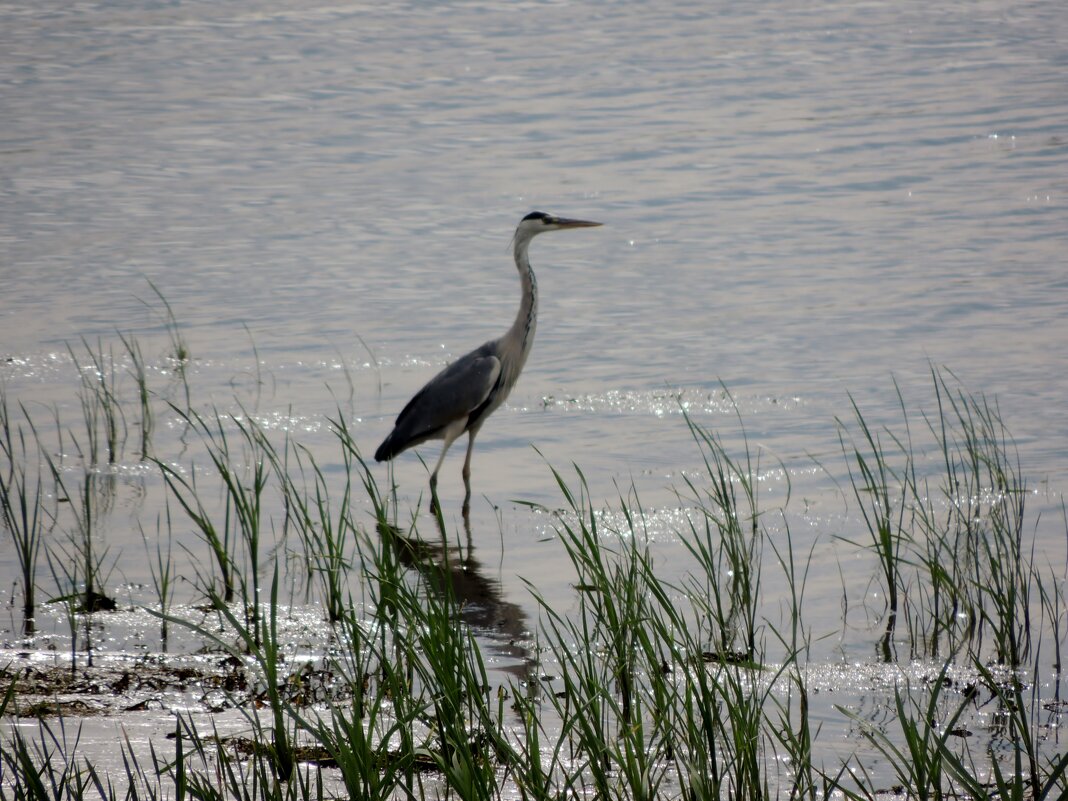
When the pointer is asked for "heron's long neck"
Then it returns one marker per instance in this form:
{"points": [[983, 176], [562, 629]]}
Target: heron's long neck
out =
{"points": [[526, 320]]}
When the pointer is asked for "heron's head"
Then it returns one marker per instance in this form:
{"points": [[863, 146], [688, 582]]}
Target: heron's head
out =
{"points": [[538, 222]]}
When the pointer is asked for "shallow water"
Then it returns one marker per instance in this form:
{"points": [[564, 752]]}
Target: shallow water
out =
{"points": [[800, 202]]}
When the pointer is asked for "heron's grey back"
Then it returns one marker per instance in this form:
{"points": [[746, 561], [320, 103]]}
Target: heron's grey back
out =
{"points": [[456, 392]]}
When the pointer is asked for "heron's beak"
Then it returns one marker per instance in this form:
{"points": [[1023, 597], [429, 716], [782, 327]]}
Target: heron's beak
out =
{"points": [[564, 222]]}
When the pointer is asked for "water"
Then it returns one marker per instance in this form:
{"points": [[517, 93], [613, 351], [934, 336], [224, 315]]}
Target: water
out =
{"points": [[800, 202]]}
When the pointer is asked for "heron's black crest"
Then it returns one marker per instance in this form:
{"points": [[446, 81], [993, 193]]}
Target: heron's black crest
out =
{"points": [[537, 215]]}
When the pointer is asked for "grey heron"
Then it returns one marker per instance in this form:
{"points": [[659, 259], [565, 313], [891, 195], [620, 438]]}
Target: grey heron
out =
{"points": [[466, 392]]}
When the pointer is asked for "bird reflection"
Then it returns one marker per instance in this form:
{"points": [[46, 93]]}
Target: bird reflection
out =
{"points": [[454, 569]]}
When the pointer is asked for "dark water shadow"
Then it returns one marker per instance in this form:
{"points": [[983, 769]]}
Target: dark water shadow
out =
{"points": [[452, 568]]}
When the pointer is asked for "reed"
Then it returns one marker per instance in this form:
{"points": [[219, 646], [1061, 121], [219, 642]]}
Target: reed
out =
{"points": [[594, 653], [102, 412], [178, 355], [138, 369], [162, 568], [794, 733], [244, 477], [371, 737], [647, 688], [26, 512], [466, 737], [874, 482], [926, 729], [185, 490], [65, 575], [324, 526], [988, 497], [951, 543], [79, 562], [1025, 773], [727, 539], [48, 767], [84, 540], [263, 647]]}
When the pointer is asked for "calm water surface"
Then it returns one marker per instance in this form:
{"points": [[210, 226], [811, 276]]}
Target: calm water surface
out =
{"points": [[800, 202]]}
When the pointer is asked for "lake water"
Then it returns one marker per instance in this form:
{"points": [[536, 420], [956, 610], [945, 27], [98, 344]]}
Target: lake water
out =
{"points": [[801, 202]]}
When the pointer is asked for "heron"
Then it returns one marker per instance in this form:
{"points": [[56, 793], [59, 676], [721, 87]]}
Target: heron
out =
{"points": [[460, 398]]}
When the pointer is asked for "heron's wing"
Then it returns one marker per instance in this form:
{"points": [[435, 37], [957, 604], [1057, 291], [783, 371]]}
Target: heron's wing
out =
{"points": [[449, 396]]}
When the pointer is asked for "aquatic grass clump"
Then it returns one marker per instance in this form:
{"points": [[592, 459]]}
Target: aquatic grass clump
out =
{"points": [[243, 469], [244, 475], [664, 685], [467, 739], [927, 730], [31, 507], [601, 652], [326, 533], [163, 571], [48, 767], [949, 531], [654, 691], [178, 356], [138, 369], [727, 541], [415, 675], [255, 637], [926, 740], [26, 512], [874, 483], [987, 497], [102, 411], [1029, 773], [646, 682], [371, 737]]}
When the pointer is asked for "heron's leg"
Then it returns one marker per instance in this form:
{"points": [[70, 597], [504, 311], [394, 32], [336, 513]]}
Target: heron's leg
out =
{"points": [[467, 470], [450, 438]]}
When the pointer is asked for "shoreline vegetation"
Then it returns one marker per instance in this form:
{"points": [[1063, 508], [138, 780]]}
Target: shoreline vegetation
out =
{"points": [[639, 686]]}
